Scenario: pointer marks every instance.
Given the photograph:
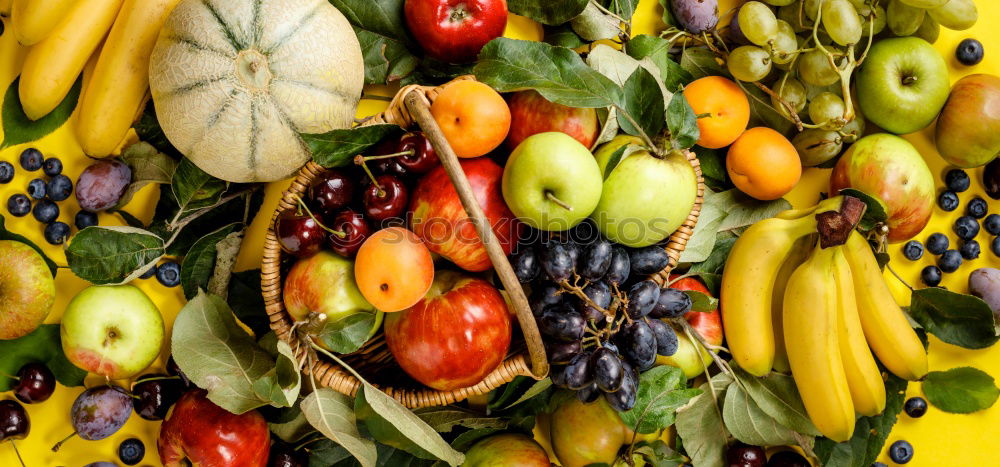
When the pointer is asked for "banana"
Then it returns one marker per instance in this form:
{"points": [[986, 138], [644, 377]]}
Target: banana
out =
{"points": [[52, 65], [811, 337], [885, 326], [118, 86], [800, 251], [34, 20], [863, 376], [748, 283], [5, 6]]}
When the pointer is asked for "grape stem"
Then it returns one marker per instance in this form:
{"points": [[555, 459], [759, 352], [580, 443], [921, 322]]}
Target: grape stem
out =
{"points": [[791, 110]]}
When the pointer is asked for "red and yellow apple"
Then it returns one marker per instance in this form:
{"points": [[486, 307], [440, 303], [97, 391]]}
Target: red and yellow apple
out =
{"points": [[455, 30], [530, 114], [455, 336], [891, 169], [584, 434], [506, 450], [968, 129], [27, 289], [439, 219], [199, 432]]}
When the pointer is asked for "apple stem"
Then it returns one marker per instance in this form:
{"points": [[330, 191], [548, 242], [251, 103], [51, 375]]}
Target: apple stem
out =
{"points": [[59, 444], [17, 453], [360, 160], [552, 197], [304, 207], [909, 80]]}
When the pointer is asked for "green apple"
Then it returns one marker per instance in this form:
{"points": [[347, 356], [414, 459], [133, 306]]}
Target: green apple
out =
{"points": [[27, 290], [645, 198], [112, 330], [551, 181], [903, 84], [967, 130]]}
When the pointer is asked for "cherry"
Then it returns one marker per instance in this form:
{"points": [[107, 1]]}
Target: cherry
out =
{"points": [[155, 394], [383, 159], [174, 370], [354, 229], [386, 198], [14, 423], [284, 455], [423, 158], [744, 455], [333, 191], [298, 233], [35, 383]]}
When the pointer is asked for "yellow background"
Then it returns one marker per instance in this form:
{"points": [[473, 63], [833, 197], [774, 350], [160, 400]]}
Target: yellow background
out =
{"points": [[939, 439]]}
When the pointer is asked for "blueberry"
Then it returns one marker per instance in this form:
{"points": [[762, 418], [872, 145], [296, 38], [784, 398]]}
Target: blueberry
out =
{"points": [[56, 233], [131, 451], [31, 159], [915, 407], [913, 250], [995, 246], [52, 166], [970, 249], [950, 261], [19, 205], [149, 272], [36, 188], [60, 187], [948, 201], [937, 243], [976, 208], [6, 172], [966, 227], [45, 211], [931, 276], [992, 224], [901, 452], [957, 180], [969, 52], [85, 219], [169, 274]]}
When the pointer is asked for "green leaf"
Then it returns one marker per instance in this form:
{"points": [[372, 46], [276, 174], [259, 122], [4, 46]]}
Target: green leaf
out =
{"points": [[282, 383], [662, 390], [749, 424], [762, 113], [445, 419], [549, 12], [869, 435], [702, 241], [777, 396], [392, 424], [563, 36], [537, 388], [700, 426], [148, 166], [337, 148], [618, 156], [557, 73], [385, 44], [875, 211], [682, 123], [194, 189], [713, 168], [960, 390], [658, 51], [148, 129], [18, 128], [247, 302], [42, 345], [113, 255], [350, 332], [330, 412], [592, 24], [716, 261], [958, 319], [659, 454], [8, 235], [701, 302], [623, 8], [743, 210], [465, 440], [199, 262], [239, 209], [294, 429], [643, 100], [700, 62], [218, 355]]}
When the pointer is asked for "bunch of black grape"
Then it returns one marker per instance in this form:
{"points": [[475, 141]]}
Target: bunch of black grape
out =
{"points": [[599, 313]]}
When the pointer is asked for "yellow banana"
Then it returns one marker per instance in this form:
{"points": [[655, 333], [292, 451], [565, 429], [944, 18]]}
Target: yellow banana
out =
{"points": [[863, 376], [885, 326], [748, 283], [34, 20], [800, 251], [119, 84], [52, 65], [811, 337], [5, 6]]}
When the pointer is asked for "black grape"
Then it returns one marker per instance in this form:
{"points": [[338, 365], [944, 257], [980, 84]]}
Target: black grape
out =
{"points": [[595, 260], [607, 368], [641, 298], [666, 338], [619, 269], [671, 303], [649, 260]]}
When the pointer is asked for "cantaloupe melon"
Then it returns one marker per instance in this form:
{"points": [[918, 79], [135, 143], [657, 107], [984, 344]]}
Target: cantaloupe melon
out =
{"points": [[235, 82]]}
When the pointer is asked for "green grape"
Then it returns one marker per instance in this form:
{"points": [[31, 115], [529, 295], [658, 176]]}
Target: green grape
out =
{"points": [[817, 146], [780, 2], [812, 8], [958, 15], [826, 109], [841, 22], [815, 68], [757, 22], [859, 4], [929, 30], [925, 4], [904, 19], [790, 14], [879, 20], [785, 43], [749, 63], [853, 130], [791, 91]]}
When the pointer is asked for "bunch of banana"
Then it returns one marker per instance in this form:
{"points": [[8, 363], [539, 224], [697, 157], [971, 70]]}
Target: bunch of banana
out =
{"points": [[64, 35]]}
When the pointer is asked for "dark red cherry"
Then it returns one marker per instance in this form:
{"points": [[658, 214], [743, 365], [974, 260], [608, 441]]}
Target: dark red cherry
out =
{"points": [[174, 370], [354, 229], [386, 200], [283, 454], [14, 423], [298, 234], [423, 158], [155, 394], [35, 383], [388, 165], [334, 191]]}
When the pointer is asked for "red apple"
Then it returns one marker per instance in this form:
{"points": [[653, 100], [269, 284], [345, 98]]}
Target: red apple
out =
{"points": [[708, 325], [439, 219], [455, 30], [506, 449], [530, 114], [889, 168], [201, 433], [455, 336]]}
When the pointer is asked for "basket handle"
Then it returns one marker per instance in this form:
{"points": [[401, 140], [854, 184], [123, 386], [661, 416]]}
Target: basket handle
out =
{"points": [[420, 110]]}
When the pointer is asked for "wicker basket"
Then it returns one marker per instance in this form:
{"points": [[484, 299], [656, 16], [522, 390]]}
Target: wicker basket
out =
{"points": [[374, 359]]}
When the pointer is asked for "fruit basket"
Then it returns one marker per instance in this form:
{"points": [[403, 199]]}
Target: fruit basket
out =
{"points": [[409, 108]]}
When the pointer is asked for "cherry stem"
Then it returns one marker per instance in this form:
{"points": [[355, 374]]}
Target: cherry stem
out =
{"points": [[561, 203], [360, 160], [304, 207], [408, 152], [7, 375], [17, 453], [59, 444]]}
